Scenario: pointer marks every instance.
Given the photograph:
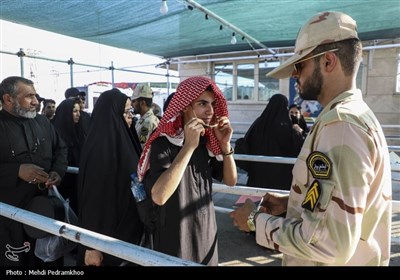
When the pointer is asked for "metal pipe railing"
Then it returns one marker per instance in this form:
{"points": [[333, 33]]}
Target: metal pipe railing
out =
{"points": [[121, 249], [112, 246], [285, 160], [394, 148], [253, 158]]}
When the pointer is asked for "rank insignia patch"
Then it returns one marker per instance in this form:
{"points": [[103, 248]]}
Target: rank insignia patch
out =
{"points": [[144, 130], [312, 196], [319, 165]]}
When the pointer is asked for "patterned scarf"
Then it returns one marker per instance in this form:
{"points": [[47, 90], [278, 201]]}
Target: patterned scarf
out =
{"points": [[171, 124]]}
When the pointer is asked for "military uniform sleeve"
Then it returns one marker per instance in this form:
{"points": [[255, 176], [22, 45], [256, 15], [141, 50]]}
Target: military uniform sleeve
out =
{"points": [[149, 124], [327, 228]]}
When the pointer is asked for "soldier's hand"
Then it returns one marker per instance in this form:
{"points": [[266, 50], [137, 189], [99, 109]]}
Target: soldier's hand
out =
{"points": [[274, 204]]}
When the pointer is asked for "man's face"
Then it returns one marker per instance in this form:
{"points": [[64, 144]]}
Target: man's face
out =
{"points": [[136, 106], [311, 87], [24, 104], [50, 109], [82, 102], [203, 108]]}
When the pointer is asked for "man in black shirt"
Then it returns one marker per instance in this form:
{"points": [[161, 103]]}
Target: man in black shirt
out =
{"points": [[33, 158]]}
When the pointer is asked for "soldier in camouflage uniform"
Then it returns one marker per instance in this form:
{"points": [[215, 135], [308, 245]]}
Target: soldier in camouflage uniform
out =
{"points": [[142, 100], [339, 208]]}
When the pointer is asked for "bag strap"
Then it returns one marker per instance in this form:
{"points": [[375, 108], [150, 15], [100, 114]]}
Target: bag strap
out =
{"points": [[54, 191], [67, 208]]}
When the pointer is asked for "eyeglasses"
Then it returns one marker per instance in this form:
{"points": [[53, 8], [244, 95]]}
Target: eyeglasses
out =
{"points": [[297, 66], [129, 111]]}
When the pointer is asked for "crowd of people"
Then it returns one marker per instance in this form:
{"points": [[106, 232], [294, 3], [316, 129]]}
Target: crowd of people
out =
{"points": [[338, 211]]}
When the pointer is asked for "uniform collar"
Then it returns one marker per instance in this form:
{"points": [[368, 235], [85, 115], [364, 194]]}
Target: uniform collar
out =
{"points": [[148, 113], [346, 96]]}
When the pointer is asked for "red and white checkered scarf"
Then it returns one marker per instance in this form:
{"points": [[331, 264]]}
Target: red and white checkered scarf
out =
{"points": [[171, 124]]}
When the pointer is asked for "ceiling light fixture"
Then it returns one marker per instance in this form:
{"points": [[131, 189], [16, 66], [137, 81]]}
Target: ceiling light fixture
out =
{"points": [[164, 7], [225, 23], [233, 40]]}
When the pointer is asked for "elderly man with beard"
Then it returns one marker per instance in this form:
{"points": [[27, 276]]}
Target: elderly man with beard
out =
{"points": [[33, 158]]}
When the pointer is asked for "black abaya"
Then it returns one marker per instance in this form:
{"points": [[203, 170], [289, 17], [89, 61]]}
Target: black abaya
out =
{"points": [[272, 134], [106, 203]]}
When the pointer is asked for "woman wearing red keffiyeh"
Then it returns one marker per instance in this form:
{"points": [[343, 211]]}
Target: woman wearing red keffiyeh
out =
{"points": [[189, 148]]}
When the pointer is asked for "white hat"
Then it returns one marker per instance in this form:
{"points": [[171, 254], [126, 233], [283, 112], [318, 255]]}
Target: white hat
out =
{"points": [[323, 28]]}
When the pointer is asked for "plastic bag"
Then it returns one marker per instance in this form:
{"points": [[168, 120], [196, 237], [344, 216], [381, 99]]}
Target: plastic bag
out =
{"points": [[52, 247]]}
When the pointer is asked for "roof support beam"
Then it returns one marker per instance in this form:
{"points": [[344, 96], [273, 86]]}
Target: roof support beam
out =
{"points": [[194, 59], [228, 24]]}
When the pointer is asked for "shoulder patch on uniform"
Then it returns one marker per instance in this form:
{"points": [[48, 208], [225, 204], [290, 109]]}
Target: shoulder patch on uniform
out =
{"points": [[312, 196], [319, 165], [144, 130]]}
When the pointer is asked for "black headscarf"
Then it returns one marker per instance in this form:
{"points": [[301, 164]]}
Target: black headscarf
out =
{"points": [[72, 133], [301, 121], [106, 203]]}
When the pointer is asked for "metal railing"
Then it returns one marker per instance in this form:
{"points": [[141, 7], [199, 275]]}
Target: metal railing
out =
{"points": [[109, 245], [254, 158], [125, 250], [241, 133]]}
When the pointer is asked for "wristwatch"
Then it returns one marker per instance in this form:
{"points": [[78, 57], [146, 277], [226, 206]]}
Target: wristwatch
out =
{"points": [[251, 223]]}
